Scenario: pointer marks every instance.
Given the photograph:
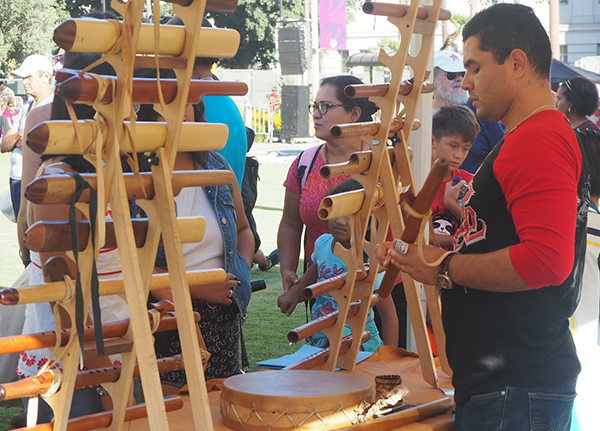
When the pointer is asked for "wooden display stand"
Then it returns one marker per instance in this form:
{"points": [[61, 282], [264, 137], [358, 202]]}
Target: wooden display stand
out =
{"points": [[383, 171], [125, 45]]}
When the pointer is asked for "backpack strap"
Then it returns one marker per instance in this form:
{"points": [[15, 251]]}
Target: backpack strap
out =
{"points": [[307, 160]]}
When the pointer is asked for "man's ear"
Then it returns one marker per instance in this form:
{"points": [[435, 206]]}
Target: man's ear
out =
{"points": [[433, 142], [355, 114], [518, 61]]}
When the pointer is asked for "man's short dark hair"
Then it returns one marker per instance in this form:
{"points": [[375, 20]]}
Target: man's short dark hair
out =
{"points": [[455, 120], [504, 27]]}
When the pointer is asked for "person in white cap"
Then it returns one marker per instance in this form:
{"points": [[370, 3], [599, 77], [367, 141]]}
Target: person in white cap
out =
{"points": [[36, 72], [448, 74]]}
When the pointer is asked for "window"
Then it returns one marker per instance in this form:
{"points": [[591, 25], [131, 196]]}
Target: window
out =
{"points": [[563, 53]]}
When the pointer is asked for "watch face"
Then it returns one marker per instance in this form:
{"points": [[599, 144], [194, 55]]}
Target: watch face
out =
{"points": [[444, 281]]}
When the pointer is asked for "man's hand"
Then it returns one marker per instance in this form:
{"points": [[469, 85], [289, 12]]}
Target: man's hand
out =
{"points": [[410, 263], [9, 142]]}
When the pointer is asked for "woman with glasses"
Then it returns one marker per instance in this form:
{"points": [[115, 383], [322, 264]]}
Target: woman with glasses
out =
{"points": [[577, 98], [302, 197]]}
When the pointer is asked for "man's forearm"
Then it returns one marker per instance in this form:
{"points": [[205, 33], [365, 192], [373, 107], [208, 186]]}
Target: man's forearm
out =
{"points": [[492, 272]]}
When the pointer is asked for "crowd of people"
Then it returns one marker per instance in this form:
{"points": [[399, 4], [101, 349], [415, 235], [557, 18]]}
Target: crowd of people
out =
{"points": [[509, 224]]}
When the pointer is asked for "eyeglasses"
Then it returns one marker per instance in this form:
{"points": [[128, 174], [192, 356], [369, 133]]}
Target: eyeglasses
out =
{"points": [[452, 75], [324, 107]]}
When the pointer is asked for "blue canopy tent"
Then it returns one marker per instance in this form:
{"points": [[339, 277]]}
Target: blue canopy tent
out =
{"points": [[560, 72]]}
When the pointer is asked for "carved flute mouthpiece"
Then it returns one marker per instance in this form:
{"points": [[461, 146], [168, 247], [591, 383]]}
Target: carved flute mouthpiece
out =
{"points": [[9, 296]]}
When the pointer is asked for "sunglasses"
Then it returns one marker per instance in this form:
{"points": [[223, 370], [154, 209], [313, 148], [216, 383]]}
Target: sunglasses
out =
{"points": [[567, 84], [452, 75], [324, 107]]}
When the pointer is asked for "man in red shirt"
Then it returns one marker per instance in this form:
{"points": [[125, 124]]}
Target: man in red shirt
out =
{"points": [[514, 278]]}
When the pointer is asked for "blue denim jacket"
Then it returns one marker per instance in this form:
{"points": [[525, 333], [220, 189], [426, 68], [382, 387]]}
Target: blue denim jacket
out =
{"points": [[221, 199]]}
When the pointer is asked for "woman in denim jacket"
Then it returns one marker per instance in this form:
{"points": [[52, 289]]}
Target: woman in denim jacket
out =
{"points": [[228, 243]]}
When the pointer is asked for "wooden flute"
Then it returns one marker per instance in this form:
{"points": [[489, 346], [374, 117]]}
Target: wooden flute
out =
{"points": [[59, 189], [104, 419], [84, 88], [321, 357], [400, 10], [331, 284], [422, 205], [57, 291], [324, 322], [44, 236], [40, 340], [373, 90], [370, 128], [38, 385]]}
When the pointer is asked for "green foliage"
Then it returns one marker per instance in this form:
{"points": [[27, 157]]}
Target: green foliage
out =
{"points": [[77, 8], [26, 28], [256, 21], [389, 45]]}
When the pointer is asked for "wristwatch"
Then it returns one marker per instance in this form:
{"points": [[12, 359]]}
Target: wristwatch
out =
{"points": [[443, 276]]}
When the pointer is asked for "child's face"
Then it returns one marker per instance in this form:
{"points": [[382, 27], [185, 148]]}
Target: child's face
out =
{"points": [[452, 148], [341, 230]]}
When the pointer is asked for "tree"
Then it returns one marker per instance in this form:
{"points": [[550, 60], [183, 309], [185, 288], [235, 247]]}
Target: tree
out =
{"points": [[256, 21], [26, 27]]}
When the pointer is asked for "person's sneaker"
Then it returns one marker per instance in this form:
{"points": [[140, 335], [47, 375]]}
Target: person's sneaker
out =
{"points": [[273, 260]]}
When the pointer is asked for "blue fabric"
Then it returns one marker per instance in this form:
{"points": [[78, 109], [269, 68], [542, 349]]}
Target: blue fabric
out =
{"points": [[222, 202], [329, 265], [518, 409], [489, 135], [222, 109]]}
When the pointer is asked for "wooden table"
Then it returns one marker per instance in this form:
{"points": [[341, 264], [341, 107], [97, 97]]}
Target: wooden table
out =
{"points": [[386, 360]]}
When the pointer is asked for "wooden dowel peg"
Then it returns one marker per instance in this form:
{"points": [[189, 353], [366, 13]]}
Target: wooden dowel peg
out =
{"points": [[84, 88], [324, 322], [57, 291], [358, 163], [101, 36], [400, 10], [45, 236], [345, 204], [59, 137]]}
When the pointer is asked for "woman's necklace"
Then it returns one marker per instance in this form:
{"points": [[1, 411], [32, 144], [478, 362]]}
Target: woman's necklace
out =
{"points": [[535, 111]]}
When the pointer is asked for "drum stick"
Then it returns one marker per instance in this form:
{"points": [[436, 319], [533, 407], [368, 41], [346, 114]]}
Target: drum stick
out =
{"points": [[40, 340], [57, 291], [46, 236], [59, 189], [380, 90], [421, 205], [321, 357], [331, 284], [60, 137], [38, 385], [104, 419], [83, 88], [347, 203], [405, 417], [101, 36], [399, 10], [324, 322]]}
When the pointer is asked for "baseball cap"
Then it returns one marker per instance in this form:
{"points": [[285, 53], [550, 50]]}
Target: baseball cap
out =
{"points": [[448, 61], [32, 64]]}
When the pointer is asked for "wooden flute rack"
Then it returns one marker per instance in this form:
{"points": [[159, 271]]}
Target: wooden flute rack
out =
{"points": [[383, 171], [124, 45]]}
